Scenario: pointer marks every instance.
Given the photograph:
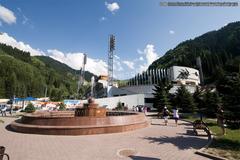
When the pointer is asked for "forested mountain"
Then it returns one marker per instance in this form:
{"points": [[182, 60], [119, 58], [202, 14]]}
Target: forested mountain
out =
{"points": [[23, 75], [63, 68], [219, 52]]}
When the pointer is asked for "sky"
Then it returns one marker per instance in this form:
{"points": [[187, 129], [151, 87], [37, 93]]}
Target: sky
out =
{"points": [[144, 30]]}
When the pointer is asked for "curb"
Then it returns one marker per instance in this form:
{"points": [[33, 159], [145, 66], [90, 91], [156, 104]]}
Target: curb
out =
{"points": [[208, 155], [201, 150]]}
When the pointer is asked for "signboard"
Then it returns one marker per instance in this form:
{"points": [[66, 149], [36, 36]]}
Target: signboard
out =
{"points": [[71, 103]]}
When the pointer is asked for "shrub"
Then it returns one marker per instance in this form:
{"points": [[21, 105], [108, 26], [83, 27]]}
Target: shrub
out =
{"points": [[30, 108], [184, 100], [119, 106], [62, 107]]}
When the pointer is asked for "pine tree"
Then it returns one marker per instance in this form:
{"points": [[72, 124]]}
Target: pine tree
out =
{"points": [[161, 95], [10, 85], [198, 98], [30, 108], [184, 100], [229, 88], [211, 101]]}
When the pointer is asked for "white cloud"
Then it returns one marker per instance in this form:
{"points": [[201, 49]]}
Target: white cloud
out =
{"points": [[102, 19], [25, 19], [117, 66], [117, 57], [75, 61], [141, 58], [6, 39], [122, 69], [171, 32], [139, 51], [112, 7], [129, 64], [142, 68], [7, 15], [150, 56], [150, 53]]}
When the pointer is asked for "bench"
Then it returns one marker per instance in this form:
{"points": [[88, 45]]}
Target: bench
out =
{"points": [[199, 124]]}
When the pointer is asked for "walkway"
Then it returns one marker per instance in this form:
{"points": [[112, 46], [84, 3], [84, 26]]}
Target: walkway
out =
{"points": [[157, 142]]}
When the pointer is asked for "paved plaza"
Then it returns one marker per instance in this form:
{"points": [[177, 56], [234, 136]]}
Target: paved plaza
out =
{"points": [[156, 142]]}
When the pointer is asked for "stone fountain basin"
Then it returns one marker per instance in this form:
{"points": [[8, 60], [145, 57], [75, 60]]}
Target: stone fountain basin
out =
{"points": [[65, 123]]}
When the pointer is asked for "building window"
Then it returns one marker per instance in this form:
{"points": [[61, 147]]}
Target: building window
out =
{"points": [[148, 100]]}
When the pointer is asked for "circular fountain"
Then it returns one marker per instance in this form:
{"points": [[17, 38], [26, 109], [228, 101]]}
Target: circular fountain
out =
{"points": [[90, 119]]}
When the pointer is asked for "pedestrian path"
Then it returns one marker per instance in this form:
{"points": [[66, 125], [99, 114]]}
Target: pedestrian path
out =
{"points": [[156, 142]]}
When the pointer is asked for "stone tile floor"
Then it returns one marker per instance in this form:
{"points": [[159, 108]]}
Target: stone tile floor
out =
{"points": [[156, 142]]}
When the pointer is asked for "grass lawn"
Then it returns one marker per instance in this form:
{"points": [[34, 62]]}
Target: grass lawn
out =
{"points": [[227, 146]]}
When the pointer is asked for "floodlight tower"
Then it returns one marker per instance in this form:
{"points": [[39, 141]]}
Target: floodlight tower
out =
{"points": [[199, 65], [82, 73], [110, 64], [110, 59]]}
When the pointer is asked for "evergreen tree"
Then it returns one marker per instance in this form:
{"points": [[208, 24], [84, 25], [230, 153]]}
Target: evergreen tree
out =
{"points": [[30, 108], [161, 95], [120, 106], [184, 100], [229, 88], [198, 98], [23, 75], [62, 107], [211, 101], [10, 85]]}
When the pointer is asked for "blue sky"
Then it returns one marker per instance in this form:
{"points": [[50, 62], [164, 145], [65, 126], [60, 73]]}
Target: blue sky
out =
{"points": [[64, 29]]}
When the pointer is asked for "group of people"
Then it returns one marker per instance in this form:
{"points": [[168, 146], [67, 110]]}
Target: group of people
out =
{"points": [[140, 109], [220, 117], [166, 113]]}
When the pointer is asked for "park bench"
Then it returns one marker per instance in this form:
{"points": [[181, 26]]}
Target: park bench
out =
{"points": [[200, 125], [2, 153]]}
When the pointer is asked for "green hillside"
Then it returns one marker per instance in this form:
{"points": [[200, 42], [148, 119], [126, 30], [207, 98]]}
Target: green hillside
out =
{"points": [[219, 51], [23, 75], [62, 68]]}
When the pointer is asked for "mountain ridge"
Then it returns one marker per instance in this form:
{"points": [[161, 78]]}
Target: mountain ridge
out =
{"points": [[216, 48], [24, 75]]}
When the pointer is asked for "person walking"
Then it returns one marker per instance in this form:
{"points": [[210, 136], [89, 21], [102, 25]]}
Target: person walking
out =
{"points": [[3, 110], [220, 120], [165, 115], [175, 115], [145, 110]]}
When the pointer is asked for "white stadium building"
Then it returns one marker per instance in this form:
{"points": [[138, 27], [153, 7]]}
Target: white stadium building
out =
{"points": [[139, 90]]}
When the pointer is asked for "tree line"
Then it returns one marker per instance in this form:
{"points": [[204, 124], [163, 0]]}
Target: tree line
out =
{"points": [[217, 49], [206, 99], [23, 75]]}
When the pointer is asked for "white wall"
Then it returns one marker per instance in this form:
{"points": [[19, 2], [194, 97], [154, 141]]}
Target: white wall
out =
{"points": [[129, 100], [193, 74], [141, 89]]}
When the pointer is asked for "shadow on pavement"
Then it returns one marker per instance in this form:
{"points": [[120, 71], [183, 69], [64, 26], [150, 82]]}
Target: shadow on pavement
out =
{"points": [[142, 158], [191, 133], [158, 124], [8, 128], [182, 142]]}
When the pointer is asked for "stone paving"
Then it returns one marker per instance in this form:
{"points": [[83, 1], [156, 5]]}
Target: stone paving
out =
{"points": [[156, 142]]}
